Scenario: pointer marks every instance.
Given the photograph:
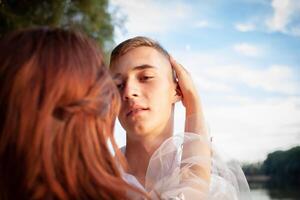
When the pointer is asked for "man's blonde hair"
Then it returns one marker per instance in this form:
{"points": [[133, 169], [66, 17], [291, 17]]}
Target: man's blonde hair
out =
{"points": [[133, 43]]}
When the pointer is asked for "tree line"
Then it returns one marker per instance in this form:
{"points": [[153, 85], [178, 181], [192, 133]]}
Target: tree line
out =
{"points": [[283, 167], [90, 16]]}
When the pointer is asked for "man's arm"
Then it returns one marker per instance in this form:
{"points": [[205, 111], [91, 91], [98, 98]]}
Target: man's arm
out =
{"points": [[194, 122]]}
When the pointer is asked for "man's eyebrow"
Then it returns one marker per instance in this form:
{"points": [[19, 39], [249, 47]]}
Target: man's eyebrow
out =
{"points": [[137, 68], [145, 66]]}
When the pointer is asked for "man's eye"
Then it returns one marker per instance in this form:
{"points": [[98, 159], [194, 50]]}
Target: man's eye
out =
{"points": [[120, 86], [145, 78]]}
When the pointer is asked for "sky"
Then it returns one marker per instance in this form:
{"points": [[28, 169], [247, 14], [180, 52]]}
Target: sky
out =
{"points": [[244, 57]]}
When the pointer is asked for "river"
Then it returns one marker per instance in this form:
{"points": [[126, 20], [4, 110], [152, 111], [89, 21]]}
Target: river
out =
{"points": [[263, 193]]}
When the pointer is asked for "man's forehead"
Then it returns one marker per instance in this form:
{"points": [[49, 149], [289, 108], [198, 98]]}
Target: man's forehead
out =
{"points": [[140, 58], [117, 74]]}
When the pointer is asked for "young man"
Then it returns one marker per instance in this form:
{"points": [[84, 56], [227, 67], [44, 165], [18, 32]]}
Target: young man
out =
{"points": [[150, 82], [144, 73]]}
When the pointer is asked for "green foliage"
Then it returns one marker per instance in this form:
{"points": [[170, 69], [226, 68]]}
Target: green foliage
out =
{"points": [[283, 166], [90, 16], [253, 169]]}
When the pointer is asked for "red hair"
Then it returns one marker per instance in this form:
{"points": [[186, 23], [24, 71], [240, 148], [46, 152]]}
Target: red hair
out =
{"points": [[58, 106]]}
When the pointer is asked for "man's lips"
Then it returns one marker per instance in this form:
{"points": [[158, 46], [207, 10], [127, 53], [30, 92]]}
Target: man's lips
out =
{"points": [[135, 110]]}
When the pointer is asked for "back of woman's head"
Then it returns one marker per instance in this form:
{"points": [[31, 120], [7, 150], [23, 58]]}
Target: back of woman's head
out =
{"points": [[57, 110]]}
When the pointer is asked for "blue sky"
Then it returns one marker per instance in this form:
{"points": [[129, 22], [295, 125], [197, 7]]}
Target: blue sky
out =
{"points": [[244, 57]]}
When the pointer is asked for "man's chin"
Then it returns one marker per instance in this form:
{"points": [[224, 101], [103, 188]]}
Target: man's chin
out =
{"points": [[137, 131]]}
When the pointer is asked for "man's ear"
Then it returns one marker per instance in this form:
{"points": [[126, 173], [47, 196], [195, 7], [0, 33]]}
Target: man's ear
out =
{"points": [[178, 94]]}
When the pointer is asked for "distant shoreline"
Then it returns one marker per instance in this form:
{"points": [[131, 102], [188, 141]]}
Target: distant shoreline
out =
{"points": [[257, 178]]}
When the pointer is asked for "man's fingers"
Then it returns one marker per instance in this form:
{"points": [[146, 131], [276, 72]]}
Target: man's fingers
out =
{"points": [[179, 69], [175, 64]]}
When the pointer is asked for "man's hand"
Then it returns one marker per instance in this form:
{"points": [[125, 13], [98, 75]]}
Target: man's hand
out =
{"points": [[194, 115], [190, 97]]}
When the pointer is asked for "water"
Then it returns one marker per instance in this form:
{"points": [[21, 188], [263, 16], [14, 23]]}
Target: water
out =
{"points": [[262, 193]]}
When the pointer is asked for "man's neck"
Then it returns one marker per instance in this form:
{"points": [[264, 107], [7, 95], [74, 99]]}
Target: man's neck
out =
{"points": [[139, 151], [146, 145]]}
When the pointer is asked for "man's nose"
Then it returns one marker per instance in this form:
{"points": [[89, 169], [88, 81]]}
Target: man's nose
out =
{"points": [[130, 91]]}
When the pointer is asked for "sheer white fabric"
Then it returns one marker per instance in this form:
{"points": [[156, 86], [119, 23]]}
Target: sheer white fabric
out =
{"points": [[173, 172]]}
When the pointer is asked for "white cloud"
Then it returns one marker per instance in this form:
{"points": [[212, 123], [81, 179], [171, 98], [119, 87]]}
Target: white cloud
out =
{"points": [[215, 73], [283, 10], [209, 85], [247, 49], [258, 124], [146, 16], [196, 63], [201, 24], [244, 27], [235, 98], [276, 78], [187, 47], [295, 31], [284, 14]]}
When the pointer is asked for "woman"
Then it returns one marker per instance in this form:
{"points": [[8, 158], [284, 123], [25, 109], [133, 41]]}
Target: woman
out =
{"points": [[58, 107]]}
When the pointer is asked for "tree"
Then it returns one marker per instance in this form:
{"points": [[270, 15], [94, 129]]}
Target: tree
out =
{"points": [[284, 166], [90, 16], [251, 169]]}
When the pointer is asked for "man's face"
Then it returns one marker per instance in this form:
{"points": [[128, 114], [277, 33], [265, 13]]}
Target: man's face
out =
{"points": [[144, 78]]}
